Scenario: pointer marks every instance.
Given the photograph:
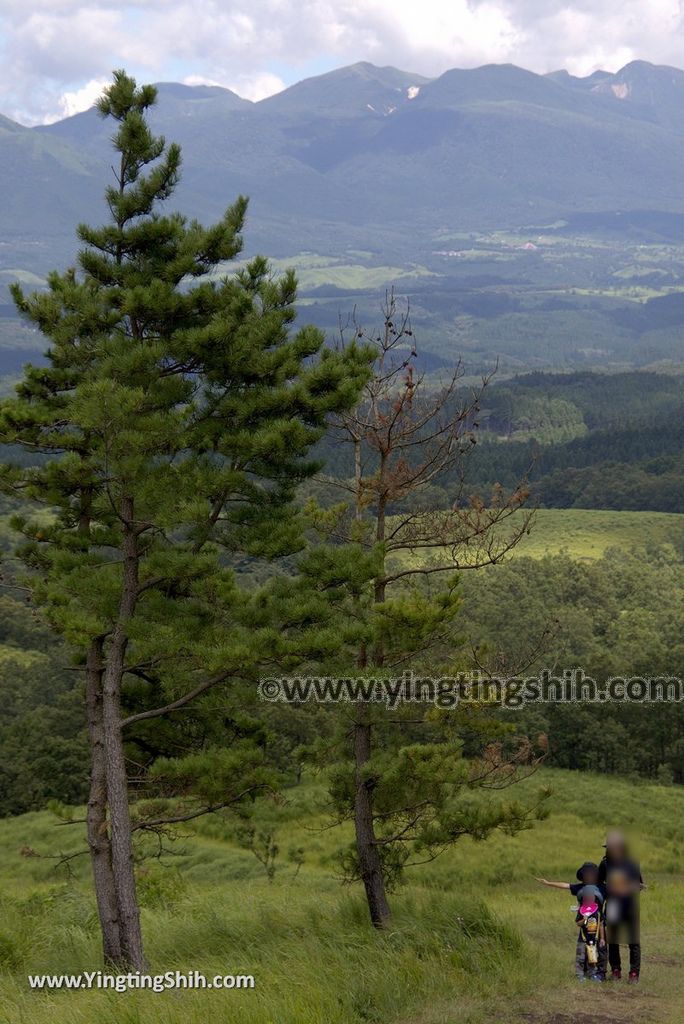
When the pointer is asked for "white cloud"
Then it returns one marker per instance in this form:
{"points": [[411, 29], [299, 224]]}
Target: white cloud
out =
{"points": [[55, 49], [259, 86], [250, 87], [77, 100]]}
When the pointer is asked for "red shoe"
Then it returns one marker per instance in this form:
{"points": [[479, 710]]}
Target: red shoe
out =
{"points": [[616, 974], [633, 977]]}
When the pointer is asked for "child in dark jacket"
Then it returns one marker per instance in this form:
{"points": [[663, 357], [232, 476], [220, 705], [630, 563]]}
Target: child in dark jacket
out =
{"points": [[590, 953]]}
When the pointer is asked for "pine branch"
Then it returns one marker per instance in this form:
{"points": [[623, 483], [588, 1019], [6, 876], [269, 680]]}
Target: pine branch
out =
{"points": [[175, 705]]}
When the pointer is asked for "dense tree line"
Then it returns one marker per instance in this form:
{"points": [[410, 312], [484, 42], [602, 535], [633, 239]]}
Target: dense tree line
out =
{"points": [[582, 440], [635, 467], [618, 615], [605, 400], [43, 748]]}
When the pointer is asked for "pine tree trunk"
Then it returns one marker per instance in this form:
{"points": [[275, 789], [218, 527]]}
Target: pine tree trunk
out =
{"points": [[96, 816], [122, 838], [117, 782], [370, 865]]}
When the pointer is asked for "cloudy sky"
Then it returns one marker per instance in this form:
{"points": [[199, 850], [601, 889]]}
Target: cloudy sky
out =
{"points": [[56, 54]]}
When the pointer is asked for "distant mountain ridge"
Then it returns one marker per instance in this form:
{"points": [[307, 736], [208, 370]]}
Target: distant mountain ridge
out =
{"points": [[372, 157]]}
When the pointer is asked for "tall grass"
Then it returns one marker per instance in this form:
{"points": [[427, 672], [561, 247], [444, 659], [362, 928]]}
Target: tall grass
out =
{"points": [[473, 937]]}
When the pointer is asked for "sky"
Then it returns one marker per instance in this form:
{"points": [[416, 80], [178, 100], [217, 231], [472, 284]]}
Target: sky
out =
{"points": [[56, 55]]}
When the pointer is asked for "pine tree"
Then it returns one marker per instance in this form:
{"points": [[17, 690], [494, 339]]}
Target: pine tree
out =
{"points": [[169, 428]]}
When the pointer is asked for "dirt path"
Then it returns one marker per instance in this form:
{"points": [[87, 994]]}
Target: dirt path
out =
{"points": [[657, 999]]}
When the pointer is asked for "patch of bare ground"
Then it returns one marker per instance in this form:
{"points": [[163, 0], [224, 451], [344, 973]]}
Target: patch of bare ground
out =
{"points": [[626, 1011], [571, 1018]]}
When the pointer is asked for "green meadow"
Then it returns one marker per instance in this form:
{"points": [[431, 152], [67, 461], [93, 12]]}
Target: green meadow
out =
{"points": [[582, 534], [474, 938], [588, 533]]}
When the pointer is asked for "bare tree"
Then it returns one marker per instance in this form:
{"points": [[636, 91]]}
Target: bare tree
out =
{"points": [[407, 433]]}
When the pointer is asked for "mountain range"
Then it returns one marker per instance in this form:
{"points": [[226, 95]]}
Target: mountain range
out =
{"points": [[371, 158]]}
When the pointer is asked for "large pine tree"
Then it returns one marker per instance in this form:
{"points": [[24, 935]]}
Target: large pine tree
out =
{"points": [[171, 424]]}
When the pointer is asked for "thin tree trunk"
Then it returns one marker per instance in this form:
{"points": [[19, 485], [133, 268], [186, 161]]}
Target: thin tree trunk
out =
{"points": [[358, 479], [380, 587], [117, 783], [370, 864], [362, 657], [96, 816], [367, 852]]}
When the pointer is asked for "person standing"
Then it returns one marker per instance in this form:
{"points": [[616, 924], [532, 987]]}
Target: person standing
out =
{"points": [[621, 878]]}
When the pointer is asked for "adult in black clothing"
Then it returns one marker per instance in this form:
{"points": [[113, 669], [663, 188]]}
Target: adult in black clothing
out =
{"points": [[620, 876]]}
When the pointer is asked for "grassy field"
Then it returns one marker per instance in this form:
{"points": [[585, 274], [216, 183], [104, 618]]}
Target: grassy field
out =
{"points": [[588, 533], [474, 939], [584, 534], [314, 271]]}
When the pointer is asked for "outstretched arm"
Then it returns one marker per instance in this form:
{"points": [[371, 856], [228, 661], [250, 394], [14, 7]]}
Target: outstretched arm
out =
{"points": [[553, 885]]}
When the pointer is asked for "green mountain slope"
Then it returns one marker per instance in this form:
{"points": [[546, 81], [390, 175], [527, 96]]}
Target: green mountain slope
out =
{"points": [[492, 146], [381, 168]]}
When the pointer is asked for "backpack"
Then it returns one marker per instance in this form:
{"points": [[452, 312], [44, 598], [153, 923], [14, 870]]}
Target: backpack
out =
{"points": [[589, 921]]}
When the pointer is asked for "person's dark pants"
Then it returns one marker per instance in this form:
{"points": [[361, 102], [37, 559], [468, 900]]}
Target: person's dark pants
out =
{"points": [[634, 957]]}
